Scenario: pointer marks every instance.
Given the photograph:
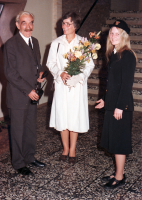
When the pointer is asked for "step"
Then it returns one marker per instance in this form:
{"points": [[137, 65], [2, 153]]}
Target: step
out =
{"points": [[136, 75], [132, 37], [125, 14], [136, 108], [91, 92], [133, 30], [135, 38], [129, 22], [98, 62], [93, 81], [136, 46], [138, 66], [96, 82], [139, 55], [91, 103]]}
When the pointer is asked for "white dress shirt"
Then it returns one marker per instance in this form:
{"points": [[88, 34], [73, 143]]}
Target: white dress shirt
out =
{"points": [[115, 51], [26, 39]]}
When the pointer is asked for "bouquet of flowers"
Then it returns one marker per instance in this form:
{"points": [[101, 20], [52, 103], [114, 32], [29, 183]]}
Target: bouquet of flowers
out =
{"points": [[82, 53]]}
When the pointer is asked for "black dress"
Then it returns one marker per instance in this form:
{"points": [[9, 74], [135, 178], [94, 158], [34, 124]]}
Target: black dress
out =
{"points": [[116, 135]]}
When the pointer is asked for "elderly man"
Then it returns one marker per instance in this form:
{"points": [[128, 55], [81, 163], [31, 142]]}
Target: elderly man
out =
{"points": [[23, 70]]}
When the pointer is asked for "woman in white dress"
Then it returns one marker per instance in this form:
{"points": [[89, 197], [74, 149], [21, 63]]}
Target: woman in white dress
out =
{"points": [[69, 113]]}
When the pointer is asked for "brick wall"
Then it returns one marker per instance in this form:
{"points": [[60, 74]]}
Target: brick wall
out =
{"points": [[96, 18], [126, 5]]}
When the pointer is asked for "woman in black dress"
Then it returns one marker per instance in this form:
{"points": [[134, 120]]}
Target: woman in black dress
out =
{"points": [[118, 101]]}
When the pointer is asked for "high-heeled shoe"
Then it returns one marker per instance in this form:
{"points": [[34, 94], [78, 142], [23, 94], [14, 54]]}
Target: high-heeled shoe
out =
{"points": [[114, 183], [63, 158], [108, 178], [72, 160]]}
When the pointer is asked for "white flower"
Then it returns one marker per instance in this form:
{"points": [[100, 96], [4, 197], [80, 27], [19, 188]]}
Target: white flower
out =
{"points": [[78, 54], [94, 56], [75, 48], [97, 46], [80, 46], [98, 33]]}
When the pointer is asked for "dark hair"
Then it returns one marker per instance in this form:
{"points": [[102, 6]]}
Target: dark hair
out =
{"points": [[75, 18]]}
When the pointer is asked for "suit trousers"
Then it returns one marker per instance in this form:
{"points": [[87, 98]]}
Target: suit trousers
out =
{"points": [[23, 135]]}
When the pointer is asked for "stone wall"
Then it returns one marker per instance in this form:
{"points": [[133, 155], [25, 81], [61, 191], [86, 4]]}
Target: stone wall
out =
{"points": [[95, 19]]}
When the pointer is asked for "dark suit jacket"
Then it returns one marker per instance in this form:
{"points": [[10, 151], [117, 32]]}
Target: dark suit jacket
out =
{"points": [[20, 67], [120, 82]]}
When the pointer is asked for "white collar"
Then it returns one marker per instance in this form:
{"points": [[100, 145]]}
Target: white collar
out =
{"points": [[65, 40], [26, 39], [62, 39], [114, 50]]}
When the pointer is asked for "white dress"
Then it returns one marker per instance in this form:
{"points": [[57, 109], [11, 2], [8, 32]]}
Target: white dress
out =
{"points": [[69, 107]]}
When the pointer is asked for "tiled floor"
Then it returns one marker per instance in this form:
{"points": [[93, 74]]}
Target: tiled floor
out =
{"points": [[58, 180]]}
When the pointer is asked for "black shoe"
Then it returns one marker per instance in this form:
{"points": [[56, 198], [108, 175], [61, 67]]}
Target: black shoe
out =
{"points": [[37, 163], [24, 171], [117, 184], [108, 178], [63, 158]]}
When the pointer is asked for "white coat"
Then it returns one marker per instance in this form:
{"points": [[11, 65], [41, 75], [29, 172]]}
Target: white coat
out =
{"points": [[69, 107]]}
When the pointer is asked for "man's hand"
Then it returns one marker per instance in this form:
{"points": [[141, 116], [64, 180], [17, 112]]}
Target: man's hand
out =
{"points": [[65, 76], [118, 114], [39, 79], [101, 104], [33, 95]]}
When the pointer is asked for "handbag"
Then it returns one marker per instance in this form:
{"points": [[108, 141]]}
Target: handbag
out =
{"points": [[39, 89]]}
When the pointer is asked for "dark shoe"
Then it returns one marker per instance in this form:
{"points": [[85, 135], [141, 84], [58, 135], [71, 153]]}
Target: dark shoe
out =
{"points": [[24, 171], [63, 158], [117, 184], [108, 178], [72, 160], [37, 163]]}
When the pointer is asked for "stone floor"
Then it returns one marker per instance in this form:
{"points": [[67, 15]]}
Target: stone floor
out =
{"points": [[58, 180]]}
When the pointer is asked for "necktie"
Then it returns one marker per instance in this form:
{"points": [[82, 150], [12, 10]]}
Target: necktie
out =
{"points": [[30, 45]]}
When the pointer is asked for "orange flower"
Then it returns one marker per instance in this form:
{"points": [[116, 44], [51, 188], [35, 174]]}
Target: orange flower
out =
{"points": [[81, 57], [73, 58], [93, 51], [91, 34], [88, 60], [86, 43], [96, 36]]}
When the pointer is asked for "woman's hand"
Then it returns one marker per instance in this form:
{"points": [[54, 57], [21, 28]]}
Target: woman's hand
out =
{"points": [[101, 104], [39, 79], [118, 114], [65, 76]]}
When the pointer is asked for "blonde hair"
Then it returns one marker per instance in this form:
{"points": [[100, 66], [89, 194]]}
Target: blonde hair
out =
{"points": [[123, 45], [23, 13]]}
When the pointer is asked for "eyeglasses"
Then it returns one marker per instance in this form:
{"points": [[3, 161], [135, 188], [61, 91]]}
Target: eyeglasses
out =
{"points": [[67, 24]]}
